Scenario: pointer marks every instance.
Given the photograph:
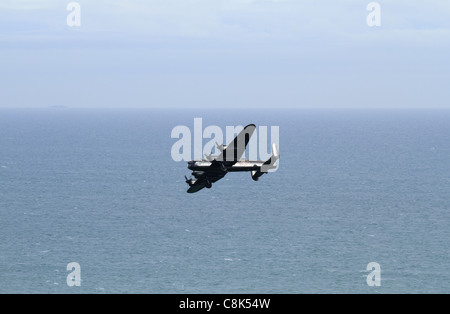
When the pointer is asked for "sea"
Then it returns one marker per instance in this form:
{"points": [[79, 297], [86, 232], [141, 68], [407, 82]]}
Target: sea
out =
{"points": [[99, 187]]}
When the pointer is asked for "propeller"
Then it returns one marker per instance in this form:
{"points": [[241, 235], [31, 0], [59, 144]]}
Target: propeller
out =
{"points": [[189, 181], [208, 157], [220, 147]]}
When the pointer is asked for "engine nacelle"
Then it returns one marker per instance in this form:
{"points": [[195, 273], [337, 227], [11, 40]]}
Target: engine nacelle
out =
{"points": [[197, 174]]}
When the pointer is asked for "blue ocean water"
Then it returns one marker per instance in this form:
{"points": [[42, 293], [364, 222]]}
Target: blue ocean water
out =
{"points": [[99, 187]]}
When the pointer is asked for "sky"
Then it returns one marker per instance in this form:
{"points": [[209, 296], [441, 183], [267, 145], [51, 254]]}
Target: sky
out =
{"points": [[225, 54]]}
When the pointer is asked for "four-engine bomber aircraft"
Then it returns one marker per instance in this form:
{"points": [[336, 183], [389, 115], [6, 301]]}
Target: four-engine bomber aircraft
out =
{"points": [[214, 168]]}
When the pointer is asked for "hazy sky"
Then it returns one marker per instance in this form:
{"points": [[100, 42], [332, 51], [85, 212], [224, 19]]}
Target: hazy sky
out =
{"points": [[225, 53]]}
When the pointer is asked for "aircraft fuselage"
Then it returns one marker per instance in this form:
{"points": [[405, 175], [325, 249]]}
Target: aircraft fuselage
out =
{"points": [[229, 166]]}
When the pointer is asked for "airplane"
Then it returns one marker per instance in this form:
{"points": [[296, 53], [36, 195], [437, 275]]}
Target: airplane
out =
{"points": [[213, 168]]}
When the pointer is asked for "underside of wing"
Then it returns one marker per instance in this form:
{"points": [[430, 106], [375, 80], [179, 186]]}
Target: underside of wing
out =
{"points": [[195, 187], [235, 149], [205, 180]]}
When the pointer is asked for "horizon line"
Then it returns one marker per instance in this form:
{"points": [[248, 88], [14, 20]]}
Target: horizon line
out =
{"points": [[61, 108]]}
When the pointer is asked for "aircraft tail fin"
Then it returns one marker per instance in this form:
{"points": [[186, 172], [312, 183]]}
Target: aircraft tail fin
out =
{"points": [[270, 163]]}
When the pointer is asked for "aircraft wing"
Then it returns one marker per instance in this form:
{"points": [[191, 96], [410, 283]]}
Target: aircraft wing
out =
{"points": [[202, 181], [236, 148]]}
